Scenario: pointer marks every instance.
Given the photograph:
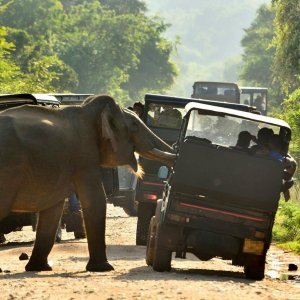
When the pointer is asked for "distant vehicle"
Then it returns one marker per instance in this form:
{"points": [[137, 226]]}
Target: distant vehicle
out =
{"points": [[167, 127], [209, 206], [71, 99], [217, 91], [231, 92], [255, 96]]}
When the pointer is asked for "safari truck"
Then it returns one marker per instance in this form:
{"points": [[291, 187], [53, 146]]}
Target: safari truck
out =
{"points": [[218, 201], [18, 220], [218, 91], [150, 188], [231, 92]]}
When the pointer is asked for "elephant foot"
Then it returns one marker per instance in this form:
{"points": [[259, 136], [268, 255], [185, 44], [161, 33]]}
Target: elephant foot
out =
{"points": [[99, 267], [37, 267]]}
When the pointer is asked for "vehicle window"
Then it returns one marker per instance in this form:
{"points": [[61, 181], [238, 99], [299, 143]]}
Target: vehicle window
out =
{"points": [[245, 99], [164, 116], [221, 129], [215, 89], [259, 100]]}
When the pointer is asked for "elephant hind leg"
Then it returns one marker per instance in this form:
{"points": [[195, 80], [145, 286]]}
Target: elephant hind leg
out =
{"points": [[48, 221]]}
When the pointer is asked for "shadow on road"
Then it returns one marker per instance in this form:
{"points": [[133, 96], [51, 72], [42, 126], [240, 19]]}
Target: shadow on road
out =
{"points": [[142, 273], [16, 244]]}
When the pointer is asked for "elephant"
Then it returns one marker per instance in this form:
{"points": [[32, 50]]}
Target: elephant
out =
{"points": [[48, 153]]}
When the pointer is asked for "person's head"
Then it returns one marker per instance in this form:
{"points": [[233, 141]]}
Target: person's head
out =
{"points": [[138, 108], [264, 135], [244, 139], [275, 143], [167, 107]]}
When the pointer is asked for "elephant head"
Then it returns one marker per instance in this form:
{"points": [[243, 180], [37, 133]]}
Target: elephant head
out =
{"points": [[122, 133]]}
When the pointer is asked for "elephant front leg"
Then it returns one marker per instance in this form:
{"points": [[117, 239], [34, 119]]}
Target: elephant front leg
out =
{"points": [[93, 201], [48, 221]]}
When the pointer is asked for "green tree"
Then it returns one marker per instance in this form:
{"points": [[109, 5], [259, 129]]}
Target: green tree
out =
{"points": [[91, 46], [123, 53], [34, 27], [286, 64], [291, 113], [258, 54], [8, 70]]}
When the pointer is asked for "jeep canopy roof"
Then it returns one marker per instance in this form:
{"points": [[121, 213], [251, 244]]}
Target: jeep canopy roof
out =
{"points": [[241, 114], [166, 99], [10, 100], [71, 98]]}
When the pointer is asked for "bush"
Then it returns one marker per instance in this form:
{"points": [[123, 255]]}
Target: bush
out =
{"points": [[286, 230]]}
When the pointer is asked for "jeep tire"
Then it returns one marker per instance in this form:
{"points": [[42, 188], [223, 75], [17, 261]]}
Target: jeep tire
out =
{"points": [[162, 256], [151, 241], [255, 267], [145, 212]]}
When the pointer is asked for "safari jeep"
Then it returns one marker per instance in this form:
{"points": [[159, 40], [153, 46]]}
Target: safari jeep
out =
{"points": [[218, 201], [150, 188]]}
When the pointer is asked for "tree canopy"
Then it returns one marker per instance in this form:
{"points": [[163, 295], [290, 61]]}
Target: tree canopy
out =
{"points": [[93, 46], [286, 66], [272, 49]]}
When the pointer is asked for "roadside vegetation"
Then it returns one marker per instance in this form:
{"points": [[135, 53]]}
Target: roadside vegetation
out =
{"points": [[286, 231]]}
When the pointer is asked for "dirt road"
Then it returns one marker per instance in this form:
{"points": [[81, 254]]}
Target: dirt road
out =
{"points": [[132, 278]]}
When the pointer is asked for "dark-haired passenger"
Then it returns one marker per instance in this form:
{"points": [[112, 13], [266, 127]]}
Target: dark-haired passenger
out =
{"points": [[244, 140], [262, 141]]}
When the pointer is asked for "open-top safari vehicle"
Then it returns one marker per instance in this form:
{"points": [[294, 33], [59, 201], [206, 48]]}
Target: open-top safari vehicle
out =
{"points": [[150, 187], [218, 201]]}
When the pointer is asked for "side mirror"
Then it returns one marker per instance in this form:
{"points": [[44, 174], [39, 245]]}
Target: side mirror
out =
{"points": [[163, 172]]}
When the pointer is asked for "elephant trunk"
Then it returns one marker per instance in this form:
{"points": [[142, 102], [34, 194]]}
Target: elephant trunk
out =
{"points": [[158, 142], [156, 154], [158, 149]]}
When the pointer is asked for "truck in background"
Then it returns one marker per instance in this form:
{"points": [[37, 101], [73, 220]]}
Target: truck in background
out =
{"points": [[232, 93]]}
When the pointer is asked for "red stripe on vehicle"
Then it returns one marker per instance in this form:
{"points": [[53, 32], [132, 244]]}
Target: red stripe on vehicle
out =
{"points": [[150, 197], [223, 212], [153, 183]]}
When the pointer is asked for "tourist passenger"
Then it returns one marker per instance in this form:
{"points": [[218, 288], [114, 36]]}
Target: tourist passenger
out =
{"points": [[170, 117], [244, 140], [138, 108], [289, 164], [262, 142]]}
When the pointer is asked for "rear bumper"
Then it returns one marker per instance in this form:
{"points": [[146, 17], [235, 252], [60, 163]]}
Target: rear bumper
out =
{"points": [[149, 191]]}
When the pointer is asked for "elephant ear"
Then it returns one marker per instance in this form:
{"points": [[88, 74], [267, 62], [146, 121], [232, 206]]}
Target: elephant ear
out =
{"points": [[108, 128]]}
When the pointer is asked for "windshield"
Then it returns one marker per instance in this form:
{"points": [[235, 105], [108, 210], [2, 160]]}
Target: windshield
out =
{"points": [[222, 129], [257, 99], [164, 116], [215, 91]]}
